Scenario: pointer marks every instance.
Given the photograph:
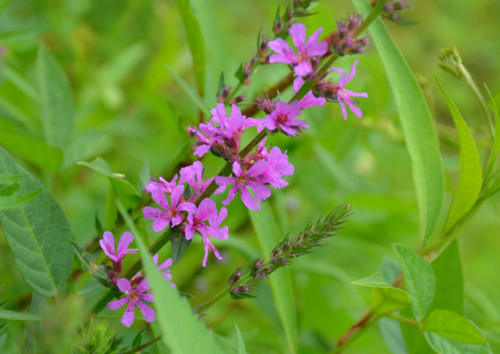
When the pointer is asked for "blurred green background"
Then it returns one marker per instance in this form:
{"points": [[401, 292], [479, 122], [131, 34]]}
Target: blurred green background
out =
{"points": [[129, 109]]}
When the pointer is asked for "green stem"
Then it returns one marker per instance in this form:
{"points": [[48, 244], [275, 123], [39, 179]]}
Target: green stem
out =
{"points": [[482, 102], [355, 331], [145, 345], [405, 320]]}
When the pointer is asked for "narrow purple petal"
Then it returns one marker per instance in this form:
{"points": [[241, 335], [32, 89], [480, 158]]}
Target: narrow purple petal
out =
{"points": [[148, 313], [116, 304], [248, 199], [298, 34], [260, 190], [124, 285], [160, 223], [303, 69], [128, 316], [125, 240], [231, 194]]}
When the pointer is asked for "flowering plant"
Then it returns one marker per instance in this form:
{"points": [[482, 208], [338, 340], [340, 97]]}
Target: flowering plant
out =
{"points": [[244, 184]]}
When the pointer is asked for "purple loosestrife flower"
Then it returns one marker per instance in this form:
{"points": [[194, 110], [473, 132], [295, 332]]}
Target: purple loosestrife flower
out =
{"points": [[170, 213], [108, 245], [309, 99], [283, 118], [219, 233], [193, 175], [244, 180], [344, 95], [163, 268], [197, 217], [277, 167], [305, 50], [134, 297], [161, 185]]}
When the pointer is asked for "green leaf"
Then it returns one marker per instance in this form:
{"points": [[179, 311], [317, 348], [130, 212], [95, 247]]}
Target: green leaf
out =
{"points": [[193, 95], [179, 244], [13, 201], [18, 316], [470, 177], [241, 343], [281, 285], [145, 176], [182, 330], [9, 178], [195, 42], [495, 150], [418, 127], [449, 280], [9, 190], [393, 337], [449, 324], [55, 99], [37, 152], [385, 298], [38, 234], [419, 279], [448, 346], [96, 270], [122, 188]]}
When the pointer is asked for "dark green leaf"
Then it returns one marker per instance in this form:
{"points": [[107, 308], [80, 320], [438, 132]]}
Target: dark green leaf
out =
{"points": [[38, 234], [97, 271], [418, 127], [13, 201], [179, 244], [419, 279], [470, 178], [55, 99]]}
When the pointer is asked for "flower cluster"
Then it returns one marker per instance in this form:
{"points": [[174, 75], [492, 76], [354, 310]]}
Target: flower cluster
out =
{"points": [[182, 210], [136, 290]]}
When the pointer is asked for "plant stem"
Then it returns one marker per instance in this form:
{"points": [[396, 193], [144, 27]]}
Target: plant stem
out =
{"points": [[354, 332], [403, 319], [145, 345]]}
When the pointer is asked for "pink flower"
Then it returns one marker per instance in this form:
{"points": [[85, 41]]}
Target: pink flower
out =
{"points": [[283, 118], [309, 99], [193, 175], [244, 180], [219, 233], [108, 245], [134, 298], [305, 50], [162, 185], [165, 272], [344, 95], [170, 213], [277, 167], [196, 220]]}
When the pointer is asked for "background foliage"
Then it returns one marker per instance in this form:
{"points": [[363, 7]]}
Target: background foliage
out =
{"points": [[128, 108]]}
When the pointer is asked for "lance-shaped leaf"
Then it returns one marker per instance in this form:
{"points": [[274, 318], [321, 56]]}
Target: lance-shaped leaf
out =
{"points": [[449, 324], [55, 99], [470, 176], [418, 127], [38, 234], [96, 270]]}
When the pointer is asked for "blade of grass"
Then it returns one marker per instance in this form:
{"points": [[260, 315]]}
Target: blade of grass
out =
{"points": [[418, 127]]}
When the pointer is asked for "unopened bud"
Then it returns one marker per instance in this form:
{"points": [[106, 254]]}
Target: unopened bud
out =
{"points": [[234, 277]]}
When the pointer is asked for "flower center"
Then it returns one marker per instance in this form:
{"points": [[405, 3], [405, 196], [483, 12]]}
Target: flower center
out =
{"points": [[282, 118]]}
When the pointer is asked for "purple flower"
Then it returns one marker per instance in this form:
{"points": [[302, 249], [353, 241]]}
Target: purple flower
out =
{"points": [[223, 132], [133, 297], [283, 118], [165, 272], [170, 213], [305, 50], [193, 175], [309, 99], [108, 245], [196, 220], [344, 95], [162, 185], [244, 180], [219, 233], [277, 167]]}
